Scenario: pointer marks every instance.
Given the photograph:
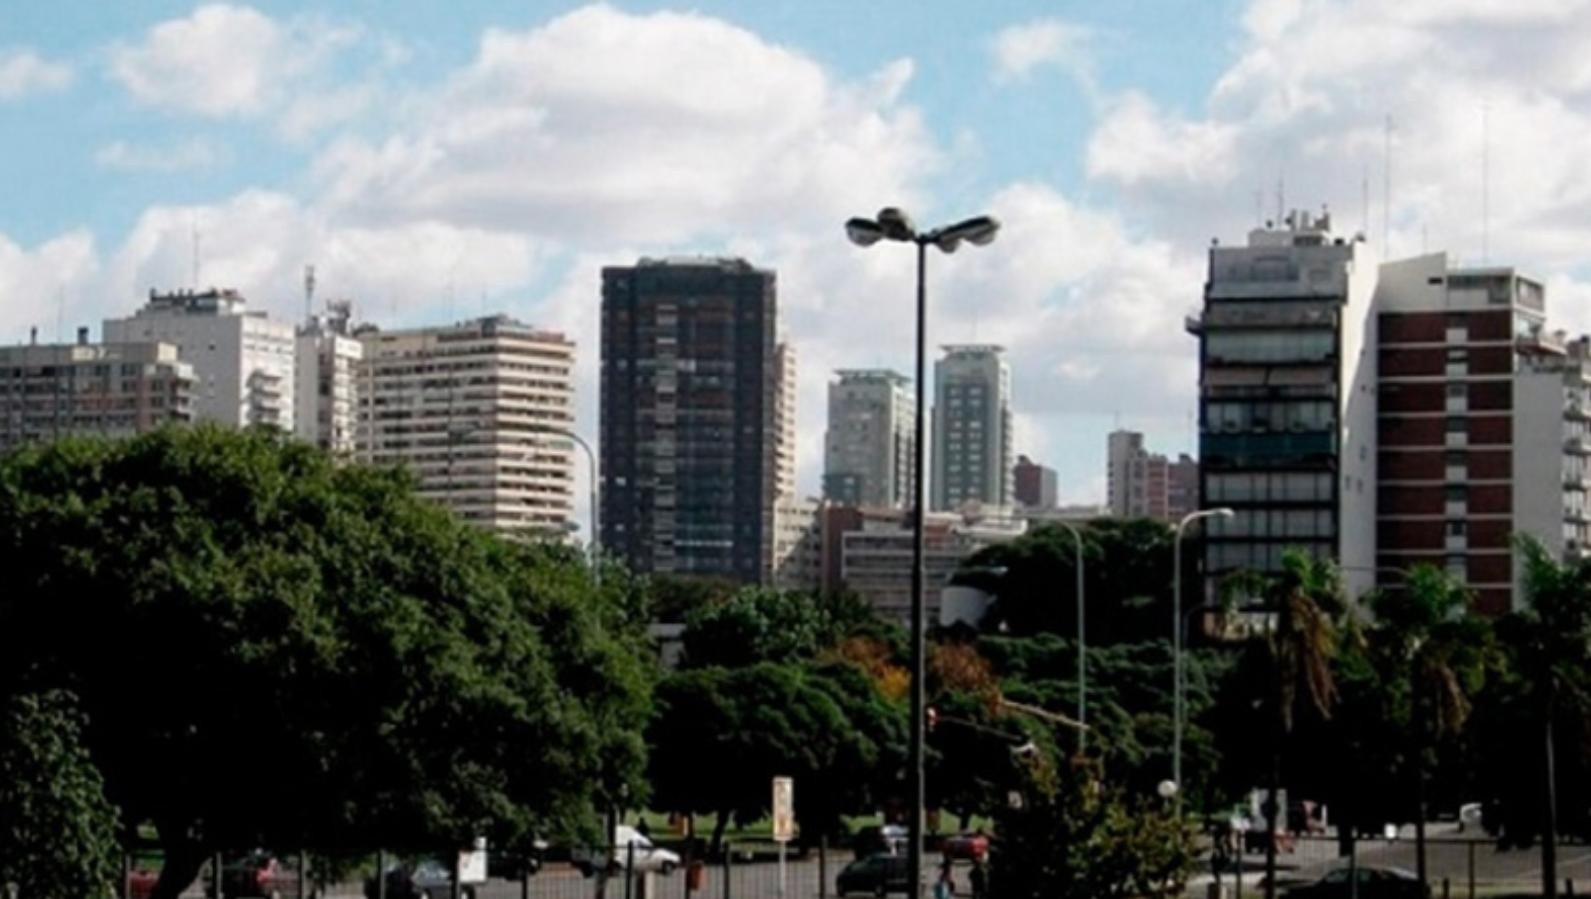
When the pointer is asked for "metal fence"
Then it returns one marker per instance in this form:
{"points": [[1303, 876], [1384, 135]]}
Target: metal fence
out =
{"points": [[740, 871], [1457, 866]]}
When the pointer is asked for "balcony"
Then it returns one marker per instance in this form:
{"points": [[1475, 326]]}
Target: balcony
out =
{"points": [[1577, 445]]}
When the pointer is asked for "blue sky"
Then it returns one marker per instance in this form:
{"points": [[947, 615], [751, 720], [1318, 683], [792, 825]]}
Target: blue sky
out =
{"points": [[440, 160]]}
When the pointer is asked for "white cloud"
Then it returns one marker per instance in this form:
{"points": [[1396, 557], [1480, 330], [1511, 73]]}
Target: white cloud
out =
{"points": [[45, 285], [1136, 142], [24, 72], [1019, 49], [220, 61], [187, 155], [234, 62], [1304, 104], [668, 129]]}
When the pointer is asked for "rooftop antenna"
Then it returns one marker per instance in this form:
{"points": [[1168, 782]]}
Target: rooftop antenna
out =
{"points": [[60, 311], [1281, 196], [309, 293], [1386, 189], [194, 228], [1486, 182], [1364, 198]]}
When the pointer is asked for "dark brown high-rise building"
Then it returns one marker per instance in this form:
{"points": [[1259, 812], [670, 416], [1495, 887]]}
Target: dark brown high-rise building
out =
{"points": [[693, 417]]}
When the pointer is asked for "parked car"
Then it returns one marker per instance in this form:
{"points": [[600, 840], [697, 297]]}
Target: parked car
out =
{"points": [[255, 875], [875, 875], [889, 839], [1471, 815], [516, 862], [966, 846], [1374, 883], [426, 878], [629, 845]]}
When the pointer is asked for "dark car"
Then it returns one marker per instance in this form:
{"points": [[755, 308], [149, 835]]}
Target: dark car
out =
{"points": [[424, 879], [522, 861], [875, 875], [1374, 883], [255, 875]]}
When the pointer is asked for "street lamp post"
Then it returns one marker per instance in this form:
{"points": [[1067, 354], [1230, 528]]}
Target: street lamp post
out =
{"points": [[892, 224], [1177, 711], [1082, 645], [593, 497]]}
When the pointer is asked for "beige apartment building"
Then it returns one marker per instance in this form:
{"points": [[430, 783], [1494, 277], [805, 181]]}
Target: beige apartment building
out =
{"points": [[474, 411], [110, 390]]}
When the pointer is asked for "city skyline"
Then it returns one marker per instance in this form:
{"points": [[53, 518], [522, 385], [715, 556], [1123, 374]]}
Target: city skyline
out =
{"points": [[341, 138]]}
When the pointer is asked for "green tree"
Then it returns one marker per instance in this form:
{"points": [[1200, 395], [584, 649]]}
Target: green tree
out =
{"points": [[1429, 641], [1064, 832], [57, 831], [720, 735], [1550, 643], [1301, 602], [1127, 580], [761, 625], [241, 617]]}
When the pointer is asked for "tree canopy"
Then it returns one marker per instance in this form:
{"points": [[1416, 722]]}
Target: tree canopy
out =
{"points": [[273, 649]]}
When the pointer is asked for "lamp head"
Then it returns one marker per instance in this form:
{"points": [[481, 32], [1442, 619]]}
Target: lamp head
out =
{"points": [[863, 232], [895, 224]]}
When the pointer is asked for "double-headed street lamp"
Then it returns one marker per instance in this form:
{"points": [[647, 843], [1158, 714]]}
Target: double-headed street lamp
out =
{"points": [[1082, 646], [892, 224], [1178, 711]]}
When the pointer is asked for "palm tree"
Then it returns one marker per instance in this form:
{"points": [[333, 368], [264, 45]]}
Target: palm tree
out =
{"points": [[1425, 635], [1303, 598], [1551, 641]]}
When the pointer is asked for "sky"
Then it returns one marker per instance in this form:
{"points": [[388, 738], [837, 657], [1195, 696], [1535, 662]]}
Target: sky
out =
{"points": [[440, 161]]}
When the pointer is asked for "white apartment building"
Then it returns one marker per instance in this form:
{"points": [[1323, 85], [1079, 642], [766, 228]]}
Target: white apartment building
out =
{"points": [[108, 390], [474, 411], [867, 449], [797, 544], [326, 412], [972, 452], [242, 361]]}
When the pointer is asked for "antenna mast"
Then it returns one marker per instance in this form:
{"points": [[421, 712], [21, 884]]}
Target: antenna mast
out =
{"points": [[309, 293], [1486, 181], [1386, 190], [194, 227]]}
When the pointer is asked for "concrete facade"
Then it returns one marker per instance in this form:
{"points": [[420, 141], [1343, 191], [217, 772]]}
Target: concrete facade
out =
{"points": [[972, 454], [243, 362], [106, 390], [695, 417], [1033, 484], [867, 448], [466, 409], [1287, 402], [326, 362]]}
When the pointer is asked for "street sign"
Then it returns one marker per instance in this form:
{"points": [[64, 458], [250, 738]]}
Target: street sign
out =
{"points": [[783, 809], [472, 863]]}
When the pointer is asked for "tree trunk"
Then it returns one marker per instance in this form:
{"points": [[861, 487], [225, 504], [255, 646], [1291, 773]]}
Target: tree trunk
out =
{"points": [[183, 859], [718, 833], [1549, 829], [1272, 799], [1417, 717]]}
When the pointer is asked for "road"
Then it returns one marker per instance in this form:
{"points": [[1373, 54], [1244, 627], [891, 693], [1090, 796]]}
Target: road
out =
{"points": [[1448, 856]]}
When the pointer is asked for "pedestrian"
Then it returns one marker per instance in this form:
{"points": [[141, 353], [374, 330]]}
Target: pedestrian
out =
{"points": [[979, 878], [642, 828], [947, 873]]}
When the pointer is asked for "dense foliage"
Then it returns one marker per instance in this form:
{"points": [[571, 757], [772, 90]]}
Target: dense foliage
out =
{"points": [[240, 616], [58, 833]]}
